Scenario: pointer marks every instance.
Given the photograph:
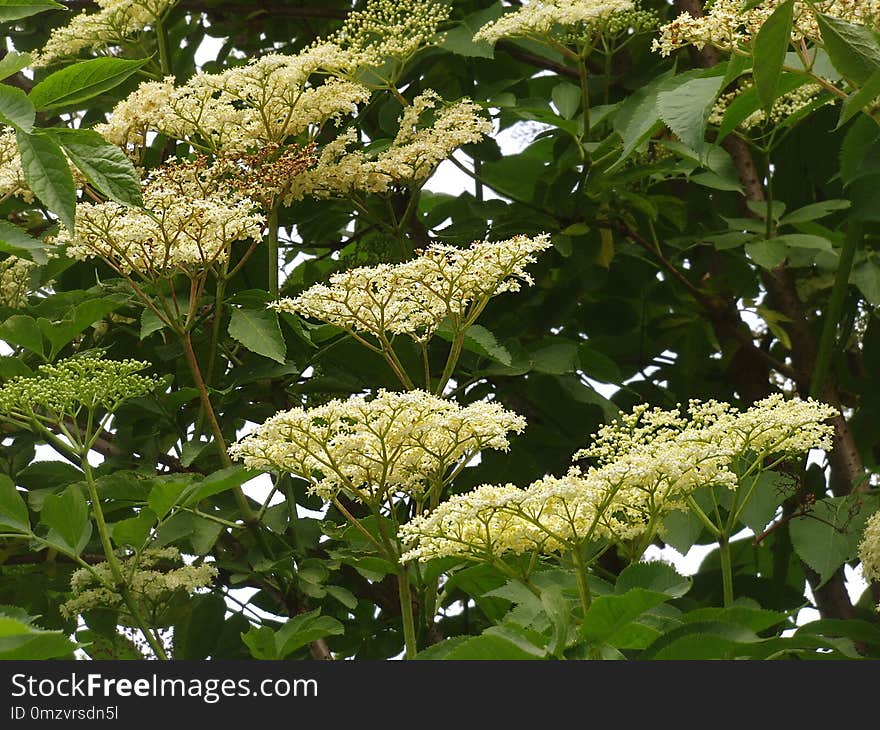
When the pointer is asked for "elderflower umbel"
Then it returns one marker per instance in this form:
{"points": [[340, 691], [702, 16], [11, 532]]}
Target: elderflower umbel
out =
{"points": [[869, 549], [411, 157], [151, 584], [86, 381], [12, 182], [115, 22], [647, 463], [412, 298], [175, 232], [370, 449], [728, 27], [583, 18], [241, 109], [15, 276]]}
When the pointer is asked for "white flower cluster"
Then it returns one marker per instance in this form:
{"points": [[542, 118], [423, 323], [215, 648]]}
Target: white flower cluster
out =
{"points": [[412, 156], [85, 381], [151, 584], [174, 232], [648, 462], [540, 18], [273, 98], [869, 549], [784, 107], [728, 27], [772, 426], [15, 274], [12, 182], [115, 22], [371, 449], [240, 109], [414, 297]]}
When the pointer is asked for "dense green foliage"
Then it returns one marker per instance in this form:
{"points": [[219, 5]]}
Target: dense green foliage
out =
{"points": [[698, 252]]}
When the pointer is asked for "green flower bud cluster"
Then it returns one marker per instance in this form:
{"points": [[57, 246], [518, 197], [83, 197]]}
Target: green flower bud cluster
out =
{"points": [[65, 388]]}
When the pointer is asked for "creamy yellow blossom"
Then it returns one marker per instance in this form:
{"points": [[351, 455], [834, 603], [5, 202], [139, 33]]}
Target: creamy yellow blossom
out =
{"points": [[785, 106], [373, 448], [412, 298], [12, 182], [175, 231], [241, 109], [15, 274], [727, 26], [115, 22], [539, 19], [413, 155], [150, 581], [647, 464], [869, 549]]}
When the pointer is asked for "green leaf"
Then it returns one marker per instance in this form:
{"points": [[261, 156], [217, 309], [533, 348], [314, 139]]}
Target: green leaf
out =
{"points": [[16, 109], [769, 492], [13, 62], [559, 613], [858, 630], [150, 323], [82, 81], [749, 617], [16, 241], [258, 331], [598, 366], [866, 276], [654, 575], [830, 536], [767, 254], [104, 165], [296, 633], [685, 109], [302, 629], [803, 240], [164, 495], [17, 9], [460, 38], [77, 319], [20, 640], [637, 118], [860, 99], [197, 633], [220, 481], [443, 649], [852, 48], [567, 99], [814, 211], [13, 510], [557, 359], [343, 595], [681, 529], [491, 646], [47, 173], [768, 52], [702, 640], [67, 517], [609, 614], [135, 530], [479, 340]]}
